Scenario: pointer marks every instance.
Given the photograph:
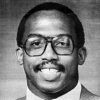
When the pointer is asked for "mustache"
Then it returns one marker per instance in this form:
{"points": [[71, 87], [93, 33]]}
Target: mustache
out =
{"points": [[40, 66]]}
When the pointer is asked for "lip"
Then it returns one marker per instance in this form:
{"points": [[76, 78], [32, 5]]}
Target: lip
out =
{"points": [[50, 74], [48, 66], [50, 69]]}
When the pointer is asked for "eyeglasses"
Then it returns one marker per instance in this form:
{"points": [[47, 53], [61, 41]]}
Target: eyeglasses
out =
{"points": [[36, 44]]}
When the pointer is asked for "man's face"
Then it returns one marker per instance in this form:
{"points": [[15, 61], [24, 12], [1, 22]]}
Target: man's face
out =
{"points": [[50, 78]]}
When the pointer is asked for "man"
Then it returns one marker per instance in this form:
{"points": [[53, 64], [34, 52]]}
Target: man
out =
{"points": [[50, 42]]}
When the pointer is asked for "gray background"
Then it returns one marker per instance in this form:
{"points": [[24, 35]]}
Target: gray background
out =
{"points": [[12, 77]]}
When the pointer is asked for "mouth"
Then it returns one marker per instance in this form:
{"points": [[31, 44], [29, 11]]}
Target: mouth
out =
{"points": [[49, 67], [50, 72]]}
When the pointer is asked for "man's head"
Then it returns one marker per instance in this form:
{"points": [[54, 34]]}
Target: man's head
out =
{"points": [[51, 46]]}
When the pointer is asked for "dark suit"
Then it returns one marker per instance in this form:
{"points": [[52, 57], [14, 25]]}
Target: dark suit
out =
{"points": [[85, 95]]}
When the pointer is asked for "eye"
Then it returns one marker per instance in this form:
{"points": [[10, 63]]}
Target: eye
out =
{"points": [[35, 43], [63, 44]]}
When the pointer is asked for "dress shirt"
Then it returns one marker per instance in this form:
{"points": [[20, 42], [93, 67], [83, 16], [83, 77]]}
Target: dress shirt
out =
{"points": [[74, 94]]}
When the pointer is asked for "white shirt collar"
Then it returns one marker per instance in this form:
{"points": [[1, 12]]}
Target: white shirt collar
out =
{"points": [[74, 94]]}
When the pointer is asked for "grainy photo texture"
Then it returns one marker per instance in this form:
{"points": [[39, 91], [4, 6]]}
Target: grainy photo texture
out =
{"points": [[49, 50]]}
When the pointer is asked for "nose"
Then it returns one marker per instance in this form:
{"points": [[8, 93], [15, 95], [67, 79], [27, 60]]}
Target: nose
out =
{"points": [[49, 53]]}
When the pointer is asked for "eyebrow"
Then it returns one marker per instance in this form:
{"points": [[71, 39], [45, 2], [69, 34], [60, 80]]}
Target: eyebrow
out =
{"points": [[35, 34]]}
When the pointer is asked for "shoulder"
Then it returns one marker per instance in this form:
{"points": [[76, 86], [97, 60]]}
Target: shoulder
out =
{"points": [[87, 95], [22, 98]]}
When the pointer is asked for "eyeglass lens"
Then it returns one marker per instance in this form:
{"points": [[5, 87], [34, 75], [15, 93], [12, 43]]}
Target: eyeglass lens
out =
{"points": [[36, 45]]}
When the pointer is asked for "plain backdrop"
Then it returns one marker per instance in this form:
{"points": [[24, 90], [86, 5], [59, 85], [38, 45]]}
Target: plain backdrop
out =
{"points": [[12, 77]]}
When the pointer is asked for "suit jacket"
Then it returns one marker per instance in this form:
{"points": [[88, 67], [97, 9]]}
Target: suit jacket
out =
{"points": [[85, 95]]}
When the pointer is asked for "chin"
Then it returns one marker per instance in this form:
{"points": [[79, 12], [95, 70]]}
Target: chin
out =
{"points": [[50, 87], [50, 90]]}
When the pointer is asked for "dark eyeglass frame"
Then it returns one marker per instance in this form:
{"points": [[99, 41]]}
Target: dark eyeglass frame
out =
{"points": [[48, 40]]}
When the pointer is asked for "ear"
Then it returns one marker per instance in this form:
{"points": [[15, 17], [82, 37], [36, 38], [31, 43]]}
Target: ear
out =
{"points": [[19, 53], [82, 54]]}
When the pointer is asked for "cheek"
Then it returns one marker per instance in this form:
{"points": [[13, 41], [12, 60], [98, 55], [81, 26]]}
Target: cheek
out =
{"points": [[70, 62], [29, 63]]}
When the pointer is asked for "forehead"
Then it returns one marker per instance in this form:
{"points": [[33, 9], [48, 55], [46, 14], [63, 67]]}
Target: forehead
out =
{"points": [[49, 23]]}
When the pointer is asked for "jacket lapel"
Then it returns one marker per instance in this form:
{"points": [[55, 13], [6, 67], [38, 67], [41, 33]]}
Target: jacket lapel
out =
{"points": [[87, 95]]}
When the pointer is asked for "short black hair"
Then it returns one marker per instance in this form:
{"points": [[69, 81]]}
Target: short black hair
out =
{"points": [[52, 6]]}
